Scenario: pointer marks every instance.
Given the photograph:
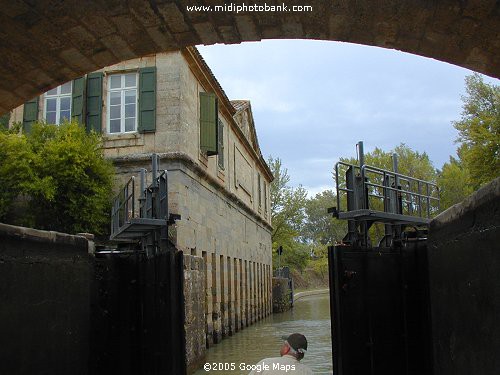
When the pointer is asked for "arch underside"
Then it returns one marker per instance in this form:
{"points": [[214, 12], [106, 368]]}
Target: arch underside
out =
{"points": [[48, 42]]}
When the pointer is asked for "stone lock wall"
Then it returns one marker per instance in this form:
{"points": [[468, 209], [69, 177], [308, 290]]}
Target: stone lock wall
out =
{"points": [[224, 207], [194, 308], [281, 295], [222, 220], [45, 319], [464, 279]]}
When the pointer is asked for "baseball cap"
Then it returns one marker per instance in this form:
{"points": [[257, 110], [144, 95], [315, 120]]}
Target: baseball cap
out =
{"points": [[297, 341]]}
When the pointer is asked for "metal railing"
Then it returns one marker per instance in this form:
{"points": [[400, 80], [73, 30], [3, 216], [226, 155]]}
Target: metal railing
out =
{"points": [[154, 199], [387, 191], [152, 202], [338, 184], [413, 193], [123, 208]]}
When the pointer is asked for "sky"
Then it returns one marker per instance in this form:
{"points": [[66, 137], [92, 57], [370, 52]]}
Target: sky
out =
{"points": [[312, 101]]}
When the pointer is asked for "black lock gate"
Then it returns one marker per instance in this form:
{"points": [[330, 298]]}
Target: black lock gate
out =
{"points": [[379, 310], [379, 295]]}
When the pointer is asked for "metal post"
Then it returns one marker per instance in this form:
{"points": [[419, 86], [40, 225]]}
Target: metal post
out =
{"points": [[395, 168], [133, 199], [279, 263], [154, 163], [419, 189], [337, 186], [362, 193], [142, 196], [361, 154], [143, 183], [398, 201], [428, 201]]}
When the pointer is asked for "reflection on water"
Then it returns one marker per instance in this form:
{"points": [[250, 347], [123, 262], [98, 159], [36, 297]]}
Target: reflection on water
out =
{"points": [[310, 316]]}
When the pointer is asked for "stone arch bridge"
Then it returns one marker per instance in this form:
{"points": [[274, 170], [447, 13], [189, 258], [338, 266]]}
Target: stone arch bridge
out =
{"points": [[44, 43]]}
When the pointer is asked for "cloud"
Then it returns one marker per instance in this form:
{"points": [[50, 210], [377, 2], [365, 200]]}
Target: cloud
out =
{"points": [[313, 190], [262, 94], [312, 101]]}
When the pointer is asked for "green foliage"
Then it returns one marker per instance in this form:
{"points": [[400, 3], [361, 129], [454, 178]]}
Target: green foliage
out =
{"points": [[16, 170], [62, 171], [320, 266], [479, 131], [411, 163], [319, 226], [287, 204], [295, 255], [479, 143], [287, 215], [454, 182], [4, 120]]}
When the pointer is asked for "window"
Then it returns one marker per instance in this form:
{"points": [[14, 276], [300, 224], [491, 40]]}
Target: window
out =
{"points": [[265, 197], [208, 123], [58, 104], [259, 189], [122, 103], [220, 145]]}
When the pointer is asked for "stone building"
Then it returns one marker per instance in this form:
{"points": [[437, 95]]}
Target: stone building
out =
{"points": [[171, 104]]}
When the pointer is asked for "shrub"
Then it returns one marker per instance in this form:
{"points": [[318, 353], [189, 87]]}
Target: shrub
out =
{"points": [[63, 172]]}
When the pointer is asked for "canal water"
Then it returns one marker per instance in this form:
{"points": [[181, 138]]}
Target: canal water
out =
{"points": [[310, 316]]}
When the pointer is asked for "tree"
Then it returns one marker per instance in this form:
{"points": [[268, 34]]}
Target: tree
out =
{"points": [[4, 120], [62, 173], [479, 130], [411, 163], [287, 215], [295, 255], [17, 175], [287, 204], [454, 183], [320, 227]]}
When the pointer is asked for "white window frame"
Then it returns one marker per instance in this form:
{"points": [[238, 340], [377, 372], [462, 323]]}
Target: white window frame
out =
{"points": [[122, 90], [58, 98]]}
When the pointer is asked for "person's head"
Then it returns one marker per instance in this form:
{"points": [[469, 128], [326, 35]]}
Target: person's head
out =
{"points": [[294, 345]]}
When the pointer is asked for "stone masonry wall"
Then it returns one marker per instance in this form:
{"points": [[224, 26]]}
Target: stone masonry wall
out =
{"points": [[281, 295], [236, 250], [234, 244], [194, 324], [222, 219]]}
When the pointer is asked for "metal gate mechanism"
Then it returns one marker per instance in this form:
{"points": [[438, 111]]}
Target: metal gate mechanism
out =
{"points": [[147, 225], [138, 292], [379, 294]]}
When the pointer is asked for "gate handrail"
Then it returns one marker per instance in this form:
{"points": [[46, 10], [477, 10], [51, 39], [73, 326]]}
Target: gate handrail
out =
{"points": [[424, 192], [123, 202]]}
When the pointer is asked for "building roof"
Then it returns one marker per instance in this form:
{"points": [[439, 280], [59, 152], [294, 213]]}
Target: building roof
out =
{"points": [[240, 105], [231, 107], [244, 105], [205, 66]]}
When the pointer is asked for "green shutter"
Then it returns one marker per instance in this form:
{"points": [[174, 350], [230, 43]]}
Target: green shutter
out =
{"points": [[208, 123], [220, 145], [147, 99], [94, 102], [77, 99], [30, 114]]}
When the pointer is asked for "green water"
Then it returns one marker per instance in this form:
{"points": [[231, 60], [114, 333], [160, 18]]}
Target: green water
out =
{"points": [[310, 316]]}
